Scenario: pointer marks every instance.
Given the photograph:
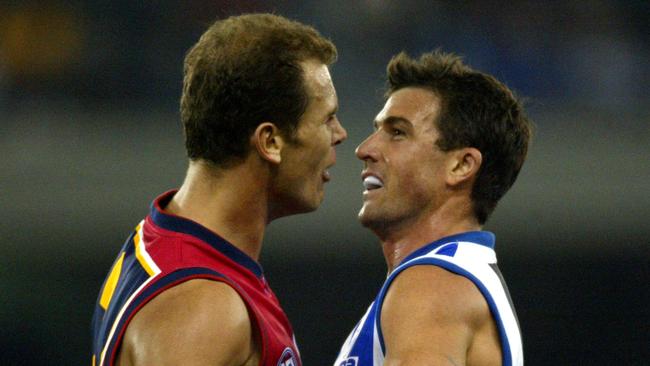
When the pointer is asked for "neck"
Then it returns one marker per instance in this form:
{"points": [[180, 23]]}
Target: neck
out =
{"points": [[231, 202], [400, 240]]}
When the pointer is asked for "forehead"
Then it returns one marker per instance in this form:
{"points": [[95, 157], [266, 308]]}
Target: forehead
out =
{"points": [[318, 80], [418, 105]]}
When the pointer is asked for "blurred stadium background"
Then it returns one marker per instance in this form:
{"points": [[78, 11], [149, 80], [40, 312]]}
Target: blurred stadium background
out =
{"points": [[89, 134]]}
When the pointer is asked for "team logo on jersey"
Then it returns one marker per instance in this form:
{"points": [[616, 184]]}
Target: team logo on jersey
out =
{"points": [[287, 358], [351, 361]]}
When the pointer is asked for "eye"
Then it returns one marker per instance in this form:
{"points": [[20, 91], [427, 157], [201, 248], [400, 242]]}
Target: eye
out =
{"points": [[397, 132]]}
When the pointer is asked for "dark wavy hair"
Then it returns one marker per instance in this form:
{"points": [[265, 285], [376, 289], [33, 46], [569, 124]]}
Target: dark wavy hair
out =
{"points": [[476, 111], [243, 71]]}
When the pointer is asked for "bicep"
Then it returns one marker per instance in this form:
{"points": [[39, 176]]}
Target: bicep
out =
{"points": [[428, 317], [199, 322]]}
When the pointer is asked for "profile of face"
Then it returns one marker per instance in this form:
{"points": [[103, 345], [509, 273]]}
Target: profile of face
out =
{"points": [[404, 170], [303, 172]]}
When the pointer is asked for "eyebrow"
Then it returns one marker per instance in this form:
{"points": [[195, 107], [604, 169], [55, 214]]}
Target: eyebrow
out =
{"points": [[334, 110], [392, 121]]}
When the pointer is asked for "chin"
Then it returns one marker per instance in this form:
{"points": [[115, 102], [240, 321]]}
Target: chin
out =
{"points": [[377, 220], [311, 208], [305, 206], [373, 224], [366, 219]]}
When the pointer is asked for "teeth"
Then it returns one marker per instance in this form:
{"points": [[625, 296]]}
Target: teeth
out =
{"points": [[372, 182]]}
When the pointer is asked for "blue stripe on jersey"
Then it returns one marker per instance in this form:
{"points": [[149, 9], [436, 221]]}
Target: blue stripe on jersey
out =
{"points": [[364, 350], [169, 280], [507, 356], [181, 225], [449, 250]]}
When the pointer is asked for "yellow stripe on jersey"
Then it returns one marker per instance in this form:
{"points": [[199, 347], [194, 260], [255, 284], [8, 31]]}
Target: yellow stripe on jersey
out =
{"points": [[142, 255], [111, 283], [93, 360]]}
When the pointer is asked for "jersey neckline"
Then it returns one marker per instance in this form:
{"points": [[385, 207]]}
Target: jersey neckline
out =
{"points": [[183, 225], [484, 238]]}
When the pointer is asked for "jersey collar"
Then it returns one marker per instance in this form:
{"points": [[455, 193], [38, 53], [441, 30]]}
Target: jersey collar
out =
{"points": [[484, 238], [180, 224]]}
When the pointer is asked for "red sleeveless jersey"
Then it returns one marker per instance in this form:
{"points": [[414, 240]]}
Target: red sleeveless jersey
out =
{"points": [[165, 250]]}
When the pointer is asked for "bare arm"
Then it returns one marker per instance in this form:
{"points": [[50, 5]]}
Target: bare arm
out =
{"points": [[199, 322], [432, 317]]}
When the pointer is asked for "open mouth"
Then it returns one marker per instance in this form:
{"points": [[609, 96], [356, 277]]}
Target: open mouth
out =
{"points": [[371, 183]]}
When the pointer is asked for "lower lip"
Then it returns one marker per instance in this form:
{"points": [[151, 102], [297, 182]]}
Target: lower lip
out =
{"points": [[371, 191]]}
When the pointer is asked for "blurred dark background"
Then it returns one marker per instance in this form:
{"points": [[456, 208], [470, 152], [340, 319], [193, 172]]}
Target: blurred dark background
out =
{"points": [[90, 134]]}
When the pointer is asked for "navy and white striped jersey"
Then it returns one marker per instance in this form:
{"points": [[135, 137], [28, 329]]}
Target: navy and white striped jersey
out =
{"points": [[468, 254]]}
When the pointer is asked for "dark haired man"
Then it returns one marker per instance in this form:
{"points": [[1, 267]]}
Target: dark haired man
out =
{"points": [[259, 114], [447, 145]]}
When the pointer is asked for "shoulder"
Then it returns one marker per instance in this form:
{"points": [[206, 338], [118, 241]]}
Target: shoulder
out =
{"points": [[430, 313], [437, 293], [198, 321]]}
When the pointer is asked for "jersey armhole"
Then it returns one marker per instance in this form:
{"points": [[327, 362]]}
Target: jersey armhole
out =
{"points": [[454, 268], [168, 281]]}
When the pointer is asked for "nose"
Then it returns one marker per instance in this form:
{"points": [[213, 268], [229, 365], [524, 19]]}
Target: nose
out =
{"points": [[339, 133], [365, 150]]}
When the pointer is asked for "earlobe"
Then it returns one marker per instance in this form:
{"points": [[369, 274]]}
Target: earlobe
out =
{"points": [[268, 142], [465, 165]]}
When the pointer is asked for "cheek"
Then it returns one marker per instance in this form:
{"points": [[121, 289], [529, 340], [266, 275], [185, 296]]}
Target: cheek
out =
{"points": [[321, 146], [312, 159], [416, 180]]}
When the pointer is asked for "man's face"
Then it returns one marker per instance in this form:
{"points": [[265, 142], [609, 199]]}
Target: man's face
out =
{"points": [[303, 172], [404, 169]]}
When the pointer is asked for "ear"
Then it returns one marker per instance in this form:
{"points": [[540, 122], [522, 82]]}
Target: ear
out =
{"points": [[464, 165], [268, 141]]}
